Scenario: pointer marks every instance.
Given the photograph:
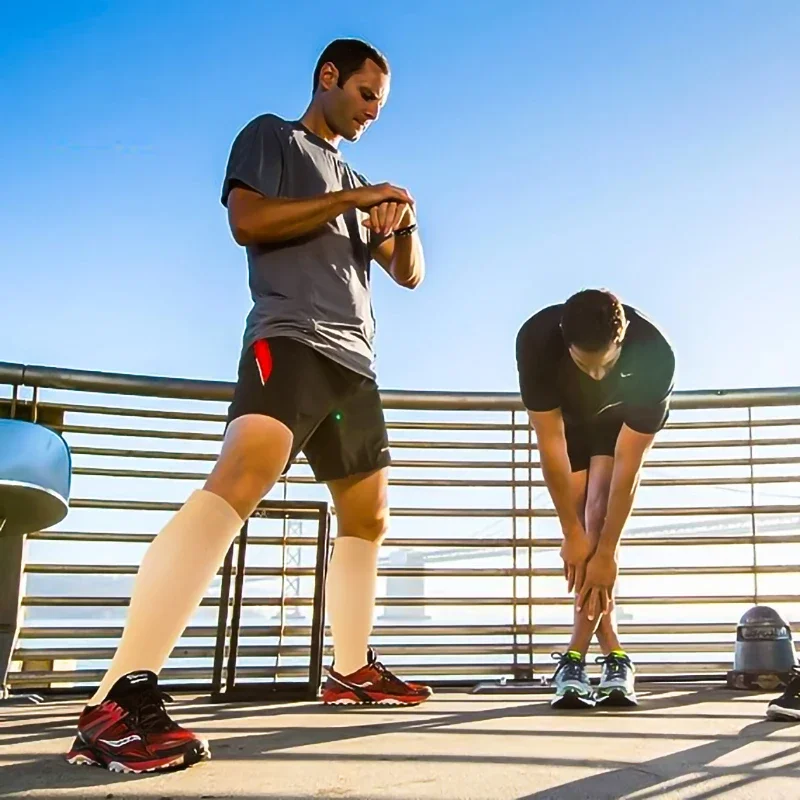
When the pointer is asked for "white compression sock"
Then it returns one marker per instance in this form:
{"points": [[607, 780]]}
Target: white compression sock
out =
{"points": [[352, 579], [172, 579]]}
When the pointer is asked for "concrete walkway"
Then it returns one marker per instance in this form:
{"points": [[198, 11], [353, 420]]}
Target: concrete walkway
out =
{"points": [[682, 742]]}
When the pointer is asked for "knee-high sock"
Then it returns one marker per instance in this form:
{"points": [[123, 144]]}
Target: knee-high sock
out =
{"points": [[352, 579], [172, 579]]}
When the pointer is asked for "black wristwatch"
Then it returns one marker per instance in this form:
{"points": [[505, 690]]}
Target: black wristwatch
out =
{"points": [[407, 231]]}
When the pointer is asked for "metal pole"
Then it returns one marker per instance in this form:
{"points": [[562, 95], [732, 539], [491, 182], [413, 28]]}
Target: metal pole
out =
{"points": [[222, 623], [753, 506], [236, 620], [530, 550], [318, 618], [514, 549], [12, 589]]}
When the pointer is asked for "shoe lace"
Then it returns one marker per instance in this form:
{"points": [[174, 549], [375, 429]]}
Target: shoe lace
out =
{"points": [[147, 708], [571, 669], [386, 674], [615, 666]]}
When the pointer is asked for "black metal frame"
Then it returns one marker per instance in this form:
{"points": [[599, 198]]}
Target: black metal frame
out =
{"points": [[230, 690]]}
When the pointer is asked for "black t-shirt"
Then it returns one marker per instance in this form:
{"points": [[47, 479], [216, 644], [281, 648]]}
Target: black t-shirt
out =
{"points": [[638, 388]]}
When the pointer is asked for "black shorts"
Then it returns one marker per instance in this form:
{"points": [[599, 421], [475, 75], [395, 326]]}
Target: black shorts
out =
{"points": [[596, 437], [334, 414]]}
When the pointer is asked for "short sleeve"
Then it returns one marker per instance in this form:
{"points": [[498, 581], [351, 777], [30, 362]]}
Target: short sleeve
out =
{"points": [[648, 410], [537, 369], [256, 159]]}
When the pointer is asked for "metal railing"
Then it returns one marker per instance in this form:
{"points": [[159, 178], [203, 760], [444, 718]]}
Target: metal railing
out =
{"points": [[470, 580]]}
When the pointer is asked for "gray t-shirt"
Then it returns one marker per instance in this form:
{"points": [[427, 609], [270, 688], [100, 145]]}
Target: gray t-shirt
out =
{"points": [[315, 288]]}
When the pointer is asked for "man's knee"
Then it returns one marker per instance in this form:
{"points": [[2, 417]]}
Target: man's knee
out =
{"points": [[370, 527], [253, 455]]}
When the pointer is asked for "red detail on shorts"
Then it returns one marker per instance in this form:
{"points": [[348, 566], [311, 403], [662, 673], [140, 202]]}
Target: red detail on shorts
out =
{"points": [[263, 359]]}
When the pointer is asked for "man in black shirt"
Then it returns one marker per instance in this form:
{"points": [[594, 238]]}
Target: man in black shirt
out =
{"points": [[596, 377]]}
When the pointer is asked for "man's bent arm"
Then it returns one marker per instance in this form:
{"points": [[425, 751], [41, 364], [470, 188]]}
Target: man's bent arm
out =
{"points": [[629, 455], [255, 219]]}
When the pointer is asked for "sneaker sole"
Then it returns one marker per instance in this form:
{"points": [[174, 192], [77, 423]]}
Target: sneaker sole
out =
{"points": [[86, 756], [617, 698], [783, 714], [385, 701], [572, 700]]}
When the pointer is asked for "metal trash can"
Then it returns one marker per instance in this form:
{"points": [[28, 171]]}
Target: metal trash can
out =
{"points": [[764, 655]]}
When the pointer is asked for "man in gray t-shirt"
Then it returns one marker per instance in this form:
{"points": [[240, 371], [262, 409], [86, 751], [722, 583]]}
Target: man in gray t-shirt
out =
{"points": [[311, 227], [316, 288]]}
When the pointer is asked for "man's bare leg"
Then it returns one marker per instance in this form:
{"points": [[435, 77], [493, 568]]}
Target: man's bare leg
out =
{"points": [[616, 683], [573, 690], [186, 554], [598, 487], [132, 731], [362, 514]]}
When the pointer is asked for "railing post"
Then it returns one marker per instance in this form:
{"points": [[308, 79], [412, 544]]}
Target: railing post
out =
{"points": [[12, 588], [514, 548], [753, 504], [530, 551]]}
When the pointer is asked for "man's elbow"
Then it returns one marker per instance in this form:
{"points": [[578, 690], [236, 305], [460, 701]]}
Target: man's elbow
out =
{"points": [[411, 282], [412, 277], [241, 233]]}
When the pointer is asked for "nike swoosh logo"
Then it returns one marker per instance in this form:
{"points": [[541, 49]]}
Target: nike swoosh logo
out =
{"points": [[625, 374]]}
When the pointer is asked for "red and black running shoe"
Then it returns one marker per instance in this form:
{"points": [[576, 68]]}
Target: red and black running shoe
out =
{"points": [[373, 684], [130, 731]]}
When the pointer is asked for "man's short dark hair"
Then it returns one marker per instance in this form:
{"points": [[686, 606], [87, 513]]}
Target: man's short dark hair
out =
{"points": [[593, 320], [348, 56]]}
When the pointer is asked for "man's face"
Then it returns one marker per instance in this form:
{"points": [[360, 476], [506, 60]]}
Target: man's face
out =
{"points": [[350, 109], [596, 364]]}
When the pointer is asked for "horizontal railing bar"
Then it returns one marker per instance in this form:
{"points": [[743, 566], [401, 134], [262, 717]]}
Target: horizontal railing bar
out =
{"points": [[426, 650], [439, 482], [299, 509], [678, 511], [114, 452], [434, 572], [131, 412], [41, 678], [784, 422], [140, 433], [173, 455], [78, 602], [417, 631], [434, 464], [182, 388], [412, 444], [197, 416], [444, 543]]}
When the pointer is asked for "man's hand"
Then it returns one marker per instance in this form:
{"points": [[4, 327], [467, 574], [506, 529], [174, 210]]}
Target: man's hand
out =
{"points": [[598, 585], [575, 552], [386, 218], [365, 197]]}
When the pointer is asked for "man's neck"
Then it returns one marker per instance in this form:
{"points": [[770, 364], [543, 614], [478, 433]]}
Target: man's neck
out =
{"points": [[314, 120]]}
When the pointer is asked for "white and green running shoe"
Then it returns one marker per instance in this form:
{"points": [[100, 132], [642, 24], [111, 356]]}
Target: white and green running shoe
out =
{"points": [[616, 684], [571, 682]]}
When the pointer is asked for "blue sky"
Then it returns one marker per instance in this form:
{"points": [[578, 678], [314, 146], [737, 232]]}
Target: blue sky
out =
{"points": [[653, 148]]}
